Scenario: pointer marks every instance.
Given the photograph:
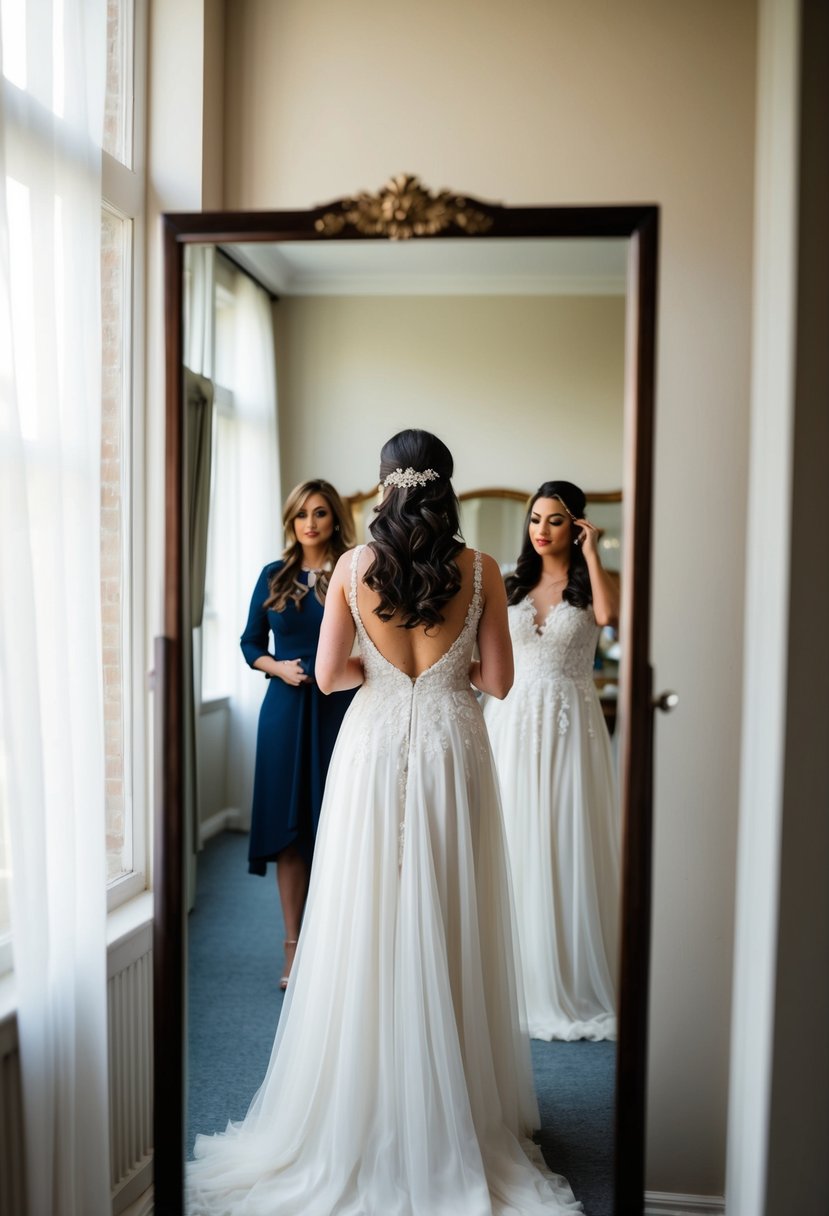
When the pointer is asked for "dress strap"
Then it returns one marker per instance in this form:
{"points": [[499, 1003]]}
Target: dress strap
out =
{"points": [[477, 584], [473, 612], [352, 594]]}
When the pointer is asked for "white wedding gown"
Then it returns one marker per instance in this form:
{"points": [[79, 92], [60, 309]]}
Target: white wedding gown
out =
{"points": [[400, 1080], [558, 787]]}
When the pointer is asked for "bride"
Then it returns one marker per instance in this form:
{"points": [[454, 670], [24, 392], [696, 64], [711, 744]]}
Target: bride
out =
{"points": [[400, 1082]]}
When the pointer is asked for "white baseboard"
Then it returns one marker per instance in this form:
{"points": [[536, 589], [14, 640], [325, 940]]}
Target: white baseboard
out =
{"points": [[228, 820], [668, 1203]]}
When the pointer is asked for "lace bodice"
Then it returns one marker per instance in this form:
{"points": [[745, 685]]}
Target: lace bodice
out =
{"points": [[553, 670], [562, 648]]}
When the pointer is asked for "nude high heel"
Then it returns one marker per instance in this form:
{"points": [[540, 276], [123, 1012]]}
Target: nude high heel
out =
{"points": [[283, 983]]}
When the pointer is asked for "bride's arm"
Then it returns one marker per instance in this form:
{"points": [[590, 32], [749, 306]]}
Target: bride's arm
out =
{"points": [[493, 672], [335, 670]]}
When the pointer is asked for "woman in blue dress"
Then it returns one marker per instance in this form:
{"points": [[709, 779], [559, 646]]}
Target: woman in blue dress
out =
{"points": [[298, 724]]}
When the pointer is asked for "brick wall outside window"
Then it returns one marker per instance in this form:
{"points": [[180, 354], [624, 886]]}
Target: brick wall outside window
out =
{"points": [[114, 133], [112, 589]]}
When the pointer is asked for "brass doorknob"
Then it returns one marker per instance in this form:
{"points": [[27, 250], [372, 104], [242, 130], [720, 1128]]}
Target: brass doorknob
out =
{"points": [[666, 701]]}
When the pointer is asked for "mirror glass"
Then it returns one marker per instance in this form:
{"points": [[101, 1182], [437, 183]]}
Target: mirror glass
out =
{"points": [[302, 359]]}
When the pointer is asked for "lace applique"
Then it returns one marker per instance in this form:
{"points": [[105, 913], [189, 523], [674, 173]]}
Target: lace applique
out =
{"points": [[553, 665]]}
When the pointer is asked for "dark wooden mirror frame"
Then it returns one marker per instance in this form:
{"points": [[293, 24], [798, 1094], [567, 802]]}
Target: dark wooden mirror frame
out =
{"points": [[638, 223]]}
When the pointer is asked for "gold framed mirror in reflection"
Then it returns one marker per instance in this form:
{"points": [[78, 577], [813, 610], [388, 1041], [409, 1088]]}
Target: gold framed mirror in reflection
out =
{"points": [[343, 385]]}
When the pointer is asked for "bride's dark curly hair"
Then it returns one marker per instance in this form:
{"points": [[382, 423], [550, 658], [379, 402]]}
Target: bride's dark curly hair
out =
{"points": [[528, 567], [415, 534]]}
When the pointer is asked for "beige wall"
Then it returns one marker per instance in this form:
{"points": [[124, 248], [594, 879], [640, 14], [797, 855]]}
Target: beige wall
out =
{"points": [[549, 101], [522, 389]]}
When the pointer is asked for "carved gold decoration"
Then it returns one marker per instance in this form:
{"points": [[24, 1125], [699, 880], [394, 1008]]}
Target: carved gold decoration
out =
{"points": [[402, 209]]}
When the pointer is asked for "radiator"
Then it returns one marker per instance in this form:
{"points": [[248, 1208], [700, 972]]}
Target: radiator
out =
{"points": [[130, 1041], [129, 1003]]}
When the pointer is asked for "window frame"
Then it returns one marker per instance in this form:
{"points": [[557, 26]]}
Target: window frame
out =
{"points": [[123, 190]]}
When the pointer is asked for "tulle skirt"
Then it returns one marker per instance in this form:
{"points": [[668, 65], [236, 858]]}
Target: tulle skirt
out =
{"points": [[558, 787], [400, 1081]]}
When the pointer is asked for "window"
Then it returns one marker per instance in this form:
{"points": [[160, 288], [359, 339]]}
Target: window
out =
{"points": [[121, 445], [122, 258], [118, 138], [234, 339], [116, 248], [44, 172]]}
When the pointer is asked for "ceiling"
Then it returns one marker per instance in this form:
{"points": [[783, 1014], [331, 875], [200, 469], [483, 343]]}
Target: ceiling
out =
{"points": [[524, 266]]}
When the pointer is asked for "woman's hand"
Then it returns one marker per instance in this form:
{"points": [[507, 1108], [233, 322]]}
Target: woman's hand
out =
{"points": [[292, 672], [588, 538], [604, 587]]}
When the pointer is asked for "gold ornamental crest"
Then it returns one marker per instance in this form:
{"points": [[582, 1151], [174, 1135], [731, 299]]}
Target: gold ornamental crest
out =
{"points": [[402, 209]]}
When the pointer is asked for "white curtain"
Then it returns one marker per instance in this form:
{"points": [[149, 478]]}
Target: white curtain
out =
{"points": [[258, 513], [199, 311], [50, 654]]}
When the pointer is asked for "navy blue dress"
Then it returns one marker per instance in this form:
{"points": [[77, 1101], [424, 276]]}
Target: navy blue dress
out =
{"points": [[297, 728]]}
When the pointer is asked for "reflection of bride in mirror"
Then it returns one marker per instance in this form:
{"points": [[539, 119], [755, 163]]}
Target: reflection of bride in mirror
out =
{"points": [[297, 724], [400, 1080], [552, 751]]}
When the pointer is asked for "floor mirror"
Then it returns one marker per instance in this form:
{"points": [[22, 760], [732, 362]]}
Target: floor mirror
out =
{"points": [[448, 276]]}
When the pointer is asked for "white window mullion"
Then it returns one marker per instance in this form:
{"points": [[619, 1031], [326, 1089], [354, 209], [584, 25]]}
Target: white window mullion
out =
{"points": [[121, 186]]}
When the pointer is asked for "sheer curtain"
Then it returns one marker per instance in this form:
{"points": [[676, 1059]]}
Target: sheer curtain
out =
{"points": [[258, 511], [51, 124]]}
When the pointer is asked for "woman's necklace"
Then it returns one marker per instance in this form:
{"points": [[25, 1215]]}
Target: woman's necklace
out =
{"points": [[314, 572], [555, 582]]}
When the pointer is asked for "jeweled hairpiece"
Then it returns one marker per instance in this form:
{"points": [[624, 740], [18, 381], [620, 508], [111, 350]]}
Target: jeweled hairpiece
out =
{"points": [[406, 478], [564, 504]]}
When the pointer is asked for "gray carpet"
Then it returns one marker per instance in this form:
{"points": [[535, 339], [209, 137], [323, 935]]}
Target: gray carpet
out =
{"points": [[234, 1002]]}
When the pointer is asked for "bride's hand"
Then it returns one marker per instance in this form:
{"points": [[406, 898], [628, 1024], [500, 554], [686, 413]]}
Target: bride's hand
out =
{"points": [[588, 538]]}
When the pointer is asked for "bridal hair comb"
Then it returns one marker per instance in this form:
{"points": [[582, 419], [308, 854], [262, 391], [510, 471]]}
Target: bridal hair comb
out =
{"points": [[406, 478], [578, 540]]}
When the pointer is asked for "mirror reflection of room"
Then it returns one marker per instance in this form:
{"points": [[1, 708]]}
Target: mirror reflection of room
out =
{"points": [[518, 383]]}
